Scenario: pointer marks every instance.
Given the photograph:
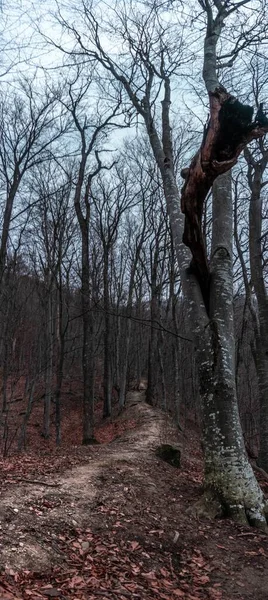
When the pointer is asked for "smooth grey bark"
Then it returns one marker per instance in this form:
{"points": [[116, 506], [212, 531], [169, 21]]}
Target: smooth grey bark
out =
{"points": [[214, 29], [256, 169], [229, 479], [228, 474]]}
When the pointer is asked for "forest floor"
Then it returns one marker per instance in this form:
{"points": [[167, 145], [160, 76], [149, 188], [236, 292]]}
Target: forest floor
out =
{"points": [[112, 521]]}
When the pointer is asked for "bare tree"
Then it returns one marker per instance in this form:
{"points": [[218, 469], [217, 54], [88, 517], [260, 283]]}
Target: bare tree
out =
{"points": [[153, 257], [91, 132], [256, 168], [111, 200], [29, 126], [139, 233], [253, 279], [250, 236], [151, 62], [53, 232]]}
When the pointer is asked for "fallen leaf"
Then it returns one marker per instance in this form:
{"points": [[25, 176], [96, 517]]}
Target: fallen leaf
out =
{"points": [[203, 579], [149, 575], [176, 537], [178, 593], [134, 545], [52, 592]]}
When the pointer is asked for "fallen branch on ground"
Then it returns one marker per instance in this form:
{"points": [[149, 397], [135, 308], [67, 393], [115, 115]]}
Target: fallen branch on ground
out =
{"points": [[33, 481]]}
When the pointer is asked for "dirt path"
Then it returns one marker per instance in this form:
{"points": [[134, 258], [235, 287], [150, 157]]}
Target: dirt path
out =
{"points": [[117, 527], [28, 510]]}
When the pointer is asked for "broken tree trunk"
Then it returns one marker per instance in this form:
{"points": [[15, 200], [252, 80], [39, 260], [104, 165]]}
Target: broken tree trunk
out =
{"points": [[229, 130]]}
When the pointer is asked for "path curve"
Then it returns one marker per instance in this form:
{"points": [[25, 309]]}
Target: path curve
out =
{"points": [[29, 532]]}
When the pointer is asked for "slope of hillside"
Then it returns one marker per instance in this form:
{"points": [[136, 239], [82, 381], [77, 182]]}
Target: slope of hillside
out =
{"points": [[112, 521]]}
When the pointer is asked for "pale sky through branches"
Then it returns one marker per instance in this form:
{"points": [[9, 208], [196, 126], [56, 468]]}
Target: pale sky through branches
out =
{"points": [[29, 30]]}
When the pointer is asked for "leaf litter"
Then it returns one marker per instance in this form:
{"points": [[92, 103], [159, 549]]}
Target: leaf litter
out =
{"points": [[114, 523]]}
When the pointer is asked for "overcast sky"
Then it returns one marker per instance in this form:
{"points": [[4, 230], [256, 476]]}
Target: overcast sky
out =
{"points": [[26, 51]]}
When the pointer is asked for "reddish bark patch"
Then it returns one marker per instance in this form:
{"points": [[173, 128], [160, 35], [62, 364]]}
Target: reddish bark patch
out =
{"points": [[227, 133]]}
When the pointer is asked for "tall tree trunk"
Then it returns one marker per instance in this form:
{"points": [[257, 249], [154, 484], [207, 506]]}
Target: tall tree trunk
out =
{"points": [[139, 340], [60, 339], [229, 478], [176, 388], [107, 384], [152, 353], [255, 175], [7, 219], [172, 305], [118, 335], [228, 474], [88, 344], [22, 434], [163, 402], [5, 373], [49, 357], [6, 307], [88, 359], [125, 354], [175, 355], [124, 363], [262, 375]]}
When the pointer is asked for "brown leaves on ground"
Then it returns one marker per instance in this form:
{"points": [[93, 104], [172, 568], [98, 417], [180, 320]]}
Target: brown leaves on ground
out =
{"points": [[97, 567], [116, 525]]}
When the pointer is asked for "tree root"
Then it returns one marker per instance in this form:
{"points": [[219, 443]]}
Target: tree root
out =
{"points": [[32, 481], [210, 506]]}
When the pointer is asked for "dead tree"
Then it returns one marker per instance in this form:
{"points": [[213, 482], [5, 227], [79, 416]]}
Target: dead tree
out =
{"points": [[229, 130]]}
